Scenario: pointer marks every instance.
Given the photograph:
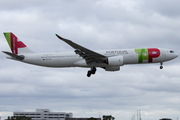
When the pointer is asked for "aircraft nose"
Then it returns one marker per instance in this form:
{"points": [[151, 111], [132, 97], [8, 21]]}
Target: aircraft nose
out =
{"points": [[176, 55]]}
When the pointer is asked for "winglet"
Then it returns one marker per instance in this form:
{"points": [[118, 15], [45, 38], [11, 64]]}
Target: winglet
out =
{"points": [[63, 39], [59, 37]]}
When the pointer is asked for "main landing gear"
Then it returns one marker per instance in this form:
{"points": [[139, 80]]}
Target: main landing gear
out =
{"points": [[92, 71], [161, 67]]}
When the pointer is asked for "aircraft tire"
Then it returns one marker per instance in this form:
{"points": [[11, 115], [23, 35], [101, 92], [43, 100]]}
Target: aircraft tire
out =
{"points": [[89, 73], [93, 70], [161, 67]]}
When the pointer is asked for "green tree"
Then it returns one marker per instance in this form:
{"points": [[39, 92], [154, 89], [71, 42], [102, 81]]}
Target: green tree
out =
{"points": [[91, 118], [18, 118], [9, 118], [108, 117]]}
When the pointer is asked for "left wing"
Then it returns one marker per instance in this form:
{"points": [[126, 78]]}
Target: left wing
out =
{"points": [[89, 55]]}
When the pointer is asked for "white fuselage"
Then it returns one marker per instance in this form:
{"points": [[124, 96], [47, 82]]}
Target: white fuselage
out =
{"points": [[71, 59], [110, 60]]}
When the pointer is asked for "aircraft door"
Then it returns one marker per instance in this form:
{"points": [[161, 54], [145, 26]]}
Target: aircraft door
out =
{"points": [[164, 54], [131, 53], [38, 57]]}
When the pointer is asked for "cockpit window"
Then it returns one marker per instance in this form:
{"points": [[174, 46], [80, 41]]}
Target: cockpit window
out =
{"points": [[171, 51]]}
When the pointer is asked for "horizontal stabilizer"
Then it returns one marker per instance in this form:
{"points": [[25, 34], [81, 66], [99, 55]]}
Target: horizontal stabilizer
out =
{"points": [[14, 56]]}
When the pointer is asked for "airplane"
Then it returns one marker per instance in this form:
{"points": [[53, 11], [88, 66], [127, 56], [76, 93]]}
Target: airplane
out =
{"points": [[110, 60]]}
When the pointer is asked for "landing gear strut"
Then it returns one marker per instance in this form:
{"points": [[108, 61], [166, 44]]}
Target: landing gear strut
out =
{"points": [[161, 67], [92, 71]]}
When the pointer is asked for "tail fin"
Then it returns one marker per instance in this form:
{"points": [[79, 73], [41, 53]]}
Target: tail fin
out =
{"points": [[16, 46]]}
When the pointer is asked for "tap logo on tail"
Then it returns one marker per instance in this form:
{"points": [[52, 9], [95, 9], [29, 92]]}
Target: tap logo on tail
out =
{"points": [[14, 42]]}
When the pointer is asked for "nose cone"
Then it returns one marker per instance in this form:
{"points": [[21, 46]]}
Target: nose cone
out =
{"points": [[171, 55], [176, 55]]}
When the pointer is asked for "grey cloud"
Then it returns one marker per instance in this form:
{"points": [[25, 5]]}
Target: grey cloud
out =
{"points": [[96, 25], [165, 7]]}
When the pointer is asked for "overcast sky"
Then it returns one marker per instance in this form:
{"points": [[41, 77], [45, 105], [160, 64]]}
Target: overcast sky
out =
{"points": [[95, 24]]}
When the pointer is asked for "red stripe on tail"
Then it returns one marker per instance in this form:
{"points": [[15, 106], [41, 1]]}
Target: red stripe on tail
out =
{"points": [[15, 44]]}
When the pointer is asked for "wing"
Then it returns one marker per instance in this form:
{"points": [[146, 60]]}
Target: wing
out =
{"points": [[89, 55]]}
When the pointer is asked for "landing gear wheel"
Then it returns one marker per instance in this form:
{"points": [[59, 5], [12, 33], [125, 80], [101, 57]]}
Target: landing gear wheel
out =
{"points": [[161, 67], [89, 73], [93, 70]]}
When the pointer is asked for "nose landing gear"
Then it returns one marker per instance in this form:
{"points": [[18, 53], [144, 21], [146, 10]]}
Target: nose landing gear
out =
{"points": [[92, 71], [161, 67]]}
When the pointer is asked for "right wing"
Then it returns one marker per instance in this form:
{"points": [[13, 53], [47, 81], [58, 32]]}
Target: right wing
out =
{"points": [[89, 55]]}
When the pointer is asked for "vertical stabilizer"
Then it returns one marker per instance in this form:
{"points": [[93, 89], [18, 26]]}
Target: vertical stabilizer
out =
{"points": [[16, 46]]}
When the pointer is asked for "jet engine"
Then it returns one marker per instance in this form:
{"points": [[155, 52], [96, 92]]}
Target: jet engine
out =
{"points": [[112, 68], [114, 63]]}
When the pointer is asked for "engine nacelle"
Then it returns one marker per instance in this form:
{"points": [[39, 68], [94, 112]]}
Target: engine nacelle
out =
{"points": [[112, 68], [116, 61]]}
